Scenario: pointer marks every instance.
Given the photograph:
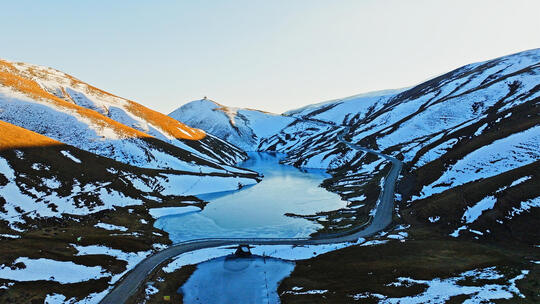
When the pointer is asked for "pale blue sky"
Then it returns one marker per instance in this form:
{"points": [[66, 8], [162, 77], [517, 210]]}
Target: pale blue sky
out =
{"points": [[272, 55]]}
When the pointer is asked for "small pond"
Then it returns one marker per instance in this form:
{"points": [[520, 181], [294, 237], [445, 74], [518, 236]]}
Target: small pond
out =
{"points": [[236, 280]]}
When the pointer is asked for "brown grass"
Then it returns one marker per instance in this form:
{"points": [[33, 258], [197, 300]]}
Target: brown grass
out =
{"points": [[356, 269], [17, 137], [167, 285], [452, 203], [53, 238]]}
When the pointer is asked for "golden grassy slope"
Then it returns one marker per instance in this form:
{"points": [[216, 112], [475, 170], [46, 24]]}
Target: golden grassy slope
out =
{"points": [[14, 137], [23, 78], [10, 77]]}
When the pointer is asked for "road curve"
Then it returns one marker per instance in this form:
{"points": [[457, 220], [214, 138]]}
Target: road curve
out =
{"points": [[129, 284]]}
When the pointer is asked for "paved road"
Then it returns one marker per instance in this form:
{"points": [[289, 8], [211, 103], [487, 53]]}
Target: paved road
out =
{"points": [[129, 284]]}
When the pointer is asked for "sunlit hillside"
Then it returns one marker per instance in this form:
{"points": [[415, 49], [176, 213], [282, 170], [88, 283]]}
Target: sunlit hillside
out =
{"points": [[63, 90]]}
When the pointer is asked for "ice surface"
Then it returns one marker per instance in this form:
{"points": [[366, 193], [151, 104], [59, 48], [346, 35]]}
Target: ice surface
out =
{"points": [[258, 211], [164, 211], [236, 280]]}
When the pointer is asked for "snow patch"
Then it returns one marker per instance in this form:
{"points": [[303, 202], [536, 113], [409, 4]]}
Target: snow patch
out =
{"points": [[70, 156], [50, 270], [474, 212], [110, 227], [441, 290]]}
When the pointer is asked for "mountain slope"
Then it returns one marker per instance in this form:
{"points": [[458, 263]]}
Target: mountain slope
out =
{"points": [[72, 222], [422, 122], [38, 99], [469, 195], [468, 203], [458, 133], [242, 127], [41, 177], [474, 123]]}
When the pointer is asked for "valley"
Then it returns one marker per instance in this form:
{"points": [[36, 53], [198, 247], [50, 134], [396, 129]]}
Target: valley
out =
{"points": [[424, 193], [381, 218]]}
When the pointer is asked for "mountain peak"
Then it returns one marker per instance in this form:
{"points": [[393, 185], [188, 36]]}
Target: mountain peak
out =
{"points": [[239, 126]]}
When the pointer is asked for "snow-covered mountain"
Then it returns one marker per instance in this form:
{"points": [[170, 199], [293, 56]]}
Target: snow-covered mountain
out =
{"points": [[476, 122], [479, 122], [468, 194], [242, 127], [81, 172], [59, 106]]}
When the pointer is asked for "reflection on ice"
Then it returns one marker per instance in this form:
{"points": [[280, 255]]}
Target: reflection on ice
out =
{"points": [[258, 211], [236, 280]]}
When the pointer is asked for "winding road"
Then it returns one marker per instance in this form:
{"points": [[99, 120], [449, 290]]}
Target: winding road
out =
{"points": [[129, 284]]}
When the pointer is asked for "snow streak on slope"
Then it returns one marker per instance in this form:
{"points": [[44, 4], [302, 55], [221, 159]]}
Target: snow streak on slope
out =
{"points": [[502, 155], [242, 127], [347, 110]]}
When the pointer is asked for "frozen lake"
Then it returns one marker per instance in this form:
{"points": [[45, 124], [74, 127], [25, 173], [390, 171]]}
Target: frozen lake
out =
{"points": [[258, 210], [236, 280]]}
